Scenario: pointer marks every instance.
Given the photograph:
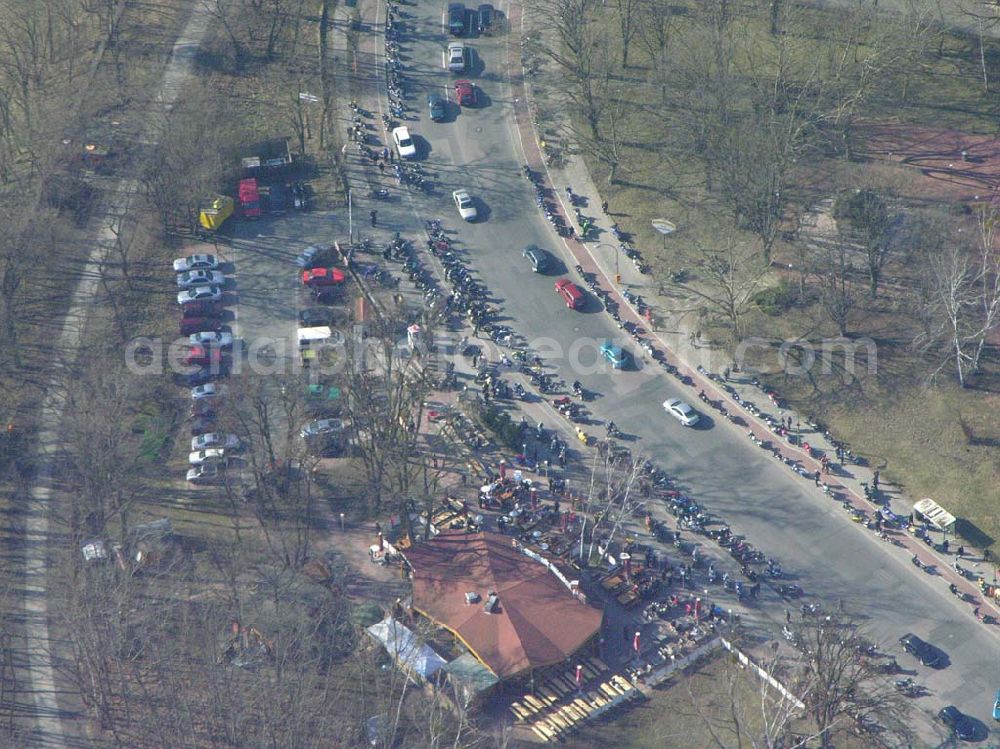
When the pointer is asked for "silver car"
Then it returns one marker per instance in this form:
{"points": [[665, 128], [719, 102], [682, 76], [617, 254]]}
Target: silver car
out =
{"points": [[681, 411], [200, 277]]}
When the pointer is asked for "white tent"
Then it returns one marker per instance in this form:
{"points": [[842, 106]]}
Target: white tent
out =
{"points": [[403, 645]]}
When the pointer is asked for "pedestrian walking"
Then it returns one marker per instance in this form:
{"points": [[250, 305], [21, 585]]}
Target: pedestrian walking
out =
{"points": [[816, 477], [604, 207], [374, 216], [875, 479], [387, 154], [788, 616], [381, 167]]}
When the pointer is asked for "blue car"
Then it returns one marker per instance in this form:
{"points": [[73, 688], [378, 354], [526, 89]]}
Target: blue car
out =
{"points": [[614, 354], [435, 103], [996, 706]]}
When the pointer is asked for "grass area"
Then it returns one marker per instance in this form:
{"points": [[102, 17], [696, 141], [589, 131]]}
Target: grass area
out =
{"points": [[677, 715], [937, 441]]}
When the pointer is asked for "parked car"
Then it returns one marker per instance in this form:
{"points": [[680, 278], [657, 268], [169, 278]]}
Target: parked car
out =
{"points": [[321, 427], [201, 425], [681, 411], [996, 706], [570, 293], [539, 258], [300, 197], [436, 106], [203, 356], [485, 19], [323, 276], [209, 390], [200, 278], [204, 374], [960, 723], [192, 325], [195, 262], [613, 354], [456, 57], [206, 473], [215, 439], [199, 293], [211, 455], [249, 195], [924, 652], [456, 19], [466, 208], [315, 316], [212, 338], [465, 93], [314, 255], [405, 146], [277, 199], [203, 309], [325, 294]]}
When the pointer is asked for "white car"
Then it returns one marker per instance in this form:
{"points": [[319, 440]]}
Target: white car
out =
{"points": [[200, 278], [681, 411], [208, 390], [215, 439], [211, 338], [206, 473], [211, 455], [200, 293], [456, 57], [466, 208], [405, 146], [195, 262]]}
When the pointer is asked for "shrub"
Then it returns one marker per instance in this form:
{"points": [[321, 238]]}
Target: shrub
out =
{"points": [[776, 299]]}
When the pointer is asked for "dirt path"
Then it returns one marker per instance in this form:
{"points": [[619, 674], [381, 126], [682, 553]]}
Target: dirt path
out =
{"points": [[48, 715]]}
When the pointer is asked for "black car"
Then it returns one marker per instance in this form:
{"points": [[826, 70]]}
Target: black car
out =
{"points": [[278, 199], [485, 18], [538, 258], [299, 197], [922, 651], [315, 316], [456, 19], [958, 722], [789, 591]]}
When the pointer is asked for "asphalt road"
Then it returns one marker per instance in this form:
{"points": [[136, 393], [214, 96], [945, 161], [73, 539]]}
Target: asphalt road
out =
{"points": [[831, 557]]}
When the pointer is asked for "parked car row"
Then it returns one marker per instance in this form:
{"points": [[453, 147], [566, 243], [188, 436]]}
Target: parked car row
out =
{"points": [[201, 301]]}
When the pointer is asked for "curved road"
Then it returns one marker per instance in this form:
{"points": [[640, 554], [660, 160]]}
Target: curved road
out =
{"points": [[832, 558]]}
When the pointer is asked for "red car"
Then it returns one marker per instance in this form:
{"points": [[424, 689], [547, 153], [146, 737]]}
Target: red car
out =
{"points": [[202, 308], [191, 325], [465, 92], [569, 293], [250, 198], [323, 276], [202, 355]]}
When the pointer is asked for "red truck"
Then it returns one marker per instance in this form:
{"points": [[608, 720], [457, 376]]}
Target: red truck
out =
{"points": [[250, 198]]}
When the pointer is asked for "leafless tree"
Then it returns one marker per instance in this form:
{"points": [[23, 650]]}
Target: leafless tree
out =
{"points": [[830, 262], [728, 279], [961, 298], [629, 21], [843, 688]]}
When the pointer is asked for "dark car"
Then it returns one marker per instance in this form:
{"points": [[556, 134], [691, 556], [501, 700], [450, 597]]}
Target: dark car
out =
{"points": [[300, 198], [485, 18], [538, 258], [198, 324], [922, 651], [326, 294], [202, 308], [456, 19], [314, 316], [278, 199], [958, 722], [202, 425], [436, 106]]}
